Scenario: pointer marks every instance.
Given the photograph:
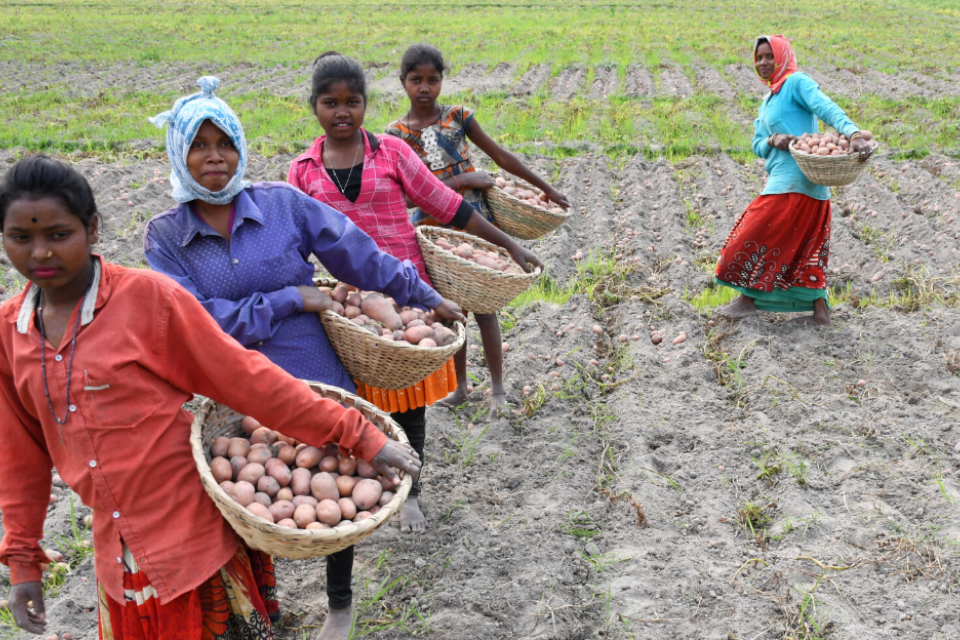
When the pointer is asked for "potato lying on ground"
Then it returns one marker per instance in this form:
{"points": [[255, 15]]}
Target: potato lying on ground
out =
{"points": [[334, 490]]}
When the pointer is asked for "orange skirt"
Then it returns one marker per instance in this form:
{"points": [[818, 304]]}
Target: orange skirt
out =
{"points": [[437, 386]]}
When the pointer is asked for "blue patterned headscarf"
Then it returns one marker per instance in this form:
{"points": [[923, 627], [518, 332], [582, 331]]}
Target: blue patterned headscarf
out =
{"points": [[185, 118]]}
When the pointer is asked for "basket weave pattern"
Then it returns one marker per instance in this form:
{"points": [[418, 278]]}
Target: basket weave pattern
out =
{"points": [[479, 289], [214, 420], [519, 219], [829, 171]]}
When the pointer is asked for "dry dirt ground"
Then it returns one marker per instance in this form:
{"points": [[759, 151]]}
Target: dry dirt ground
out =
{"points": [[742, 484]]}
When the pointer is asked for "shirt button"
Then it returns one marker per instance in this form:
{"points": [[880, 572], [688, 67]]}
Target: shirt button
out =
{"points": [[73, 407], [120, 560], [58, 357], [260, 343], [116, 514], [93, 463], [236, 261]]}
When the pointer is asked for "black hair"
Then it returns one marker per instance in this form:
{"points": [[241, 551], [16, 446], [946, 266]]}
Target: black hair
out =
{"points": [[40, 176], [420, 54], [332, 67]]}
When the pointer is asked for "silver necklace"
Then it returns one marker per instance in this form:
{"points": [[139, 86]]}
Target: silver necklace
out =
{"points": [[343, 190]]}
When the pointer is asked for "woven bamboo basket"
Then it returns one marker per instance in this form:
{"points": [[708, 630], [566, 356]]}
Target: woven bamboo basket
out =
{"points": [[379, 362], [519, 219], [214, 420], [830, 171], [479, 289]]}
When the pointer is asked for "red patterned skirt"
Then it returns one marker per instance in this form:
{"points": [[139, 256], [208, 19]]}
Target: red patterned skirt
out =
{"points": [[238, 602], [777, 252]]}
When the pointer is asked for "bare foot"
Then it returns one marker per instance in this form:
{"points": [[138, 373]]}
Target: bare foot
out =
{"points": [[741, 307], [412, 519], [497, 400], [817, 319], [455, 399], [338, 625]]}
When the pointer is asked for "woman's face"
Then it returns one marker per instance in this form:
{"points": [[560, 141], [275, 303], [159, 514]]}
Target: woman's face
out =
{"points": [[212, 159], [46, 242], [340, 111], [764, 61]]}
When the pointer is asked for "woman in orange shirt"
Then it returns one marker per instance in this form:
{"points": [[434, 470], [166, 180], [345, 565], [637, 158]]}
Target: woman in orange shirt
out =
{"points": [[96, 361]]}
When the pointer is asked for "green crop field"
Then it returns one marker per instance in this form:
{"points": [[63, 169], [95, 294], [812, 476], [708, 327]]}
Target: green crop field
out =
{"points": [[695, 56]]}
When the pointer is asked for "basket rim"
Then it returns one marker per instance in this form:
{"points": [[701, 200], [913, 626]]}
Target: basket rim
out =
{"points": [[358, 530], [518, 203], [463, 262]]}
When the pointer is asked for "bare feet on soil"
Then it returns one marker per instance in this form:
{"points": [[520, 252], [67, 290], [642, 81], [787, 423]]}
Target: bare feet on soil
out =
{"points": [[820, 317], [741, 307], [338, 624], [455, 399], [412, 519]]}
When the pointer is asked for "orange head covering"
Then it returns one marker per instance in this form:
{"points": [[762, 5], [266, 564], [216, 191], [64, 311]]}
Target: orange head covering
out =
{"points": [[784, 60]]}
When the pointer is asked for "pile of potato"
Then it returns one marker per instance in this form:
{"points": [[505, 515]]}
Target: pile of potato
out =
{"points": [[294, 485], [482, 257], [381, 316], [528, 195], [827, 144]]}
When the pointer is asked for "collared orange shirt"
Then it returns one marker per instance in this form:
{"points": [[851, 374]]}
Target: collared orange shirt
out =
{"points": [[144, 347]]}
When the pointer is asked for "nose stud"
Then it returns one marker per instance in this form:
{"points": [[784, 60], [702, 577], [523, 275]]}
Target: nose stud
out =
{"points": [[50, 254]]}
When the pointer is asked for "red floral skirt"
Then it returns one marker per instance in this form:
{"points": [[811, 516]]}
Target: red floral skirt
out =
{"points": [[239, 601], [777, 252]]}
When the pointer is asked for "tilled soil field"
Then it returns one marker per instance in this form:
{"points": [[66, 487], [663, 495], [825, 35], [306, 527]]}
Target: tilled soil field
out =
{"points": [[757, 480]]}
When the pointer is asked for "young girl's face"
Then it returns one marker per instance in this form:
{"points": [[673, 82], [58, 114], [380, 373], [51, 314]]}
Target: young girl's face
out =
{"points": [[47, 243], [340, 111], [423, 84]]}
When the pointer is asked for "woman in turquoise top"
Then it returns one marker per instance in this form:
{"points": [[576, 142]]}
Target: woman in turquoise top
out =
{"points": [[776, 255]]}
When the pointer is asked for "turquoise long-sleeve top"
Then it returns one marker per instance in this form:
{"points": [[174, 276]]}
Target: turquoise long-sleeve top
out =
{"points": [[794, 110]]}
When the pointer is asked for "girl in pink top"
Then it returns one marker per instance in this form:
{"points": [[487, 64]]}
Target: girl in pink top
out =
{"points": [[372, 180]]}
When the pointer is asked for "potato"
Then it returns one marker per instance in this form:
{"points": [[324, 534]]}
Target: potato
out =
{"points": [[277, 470], [354, 299], [328, 512], [347, 466], [416, 323], [264, 435], [415, 334], [340, 293], [427, 343], [286, 439], [464, 250], [408, 316], [221, 469], [378, 308], [363, 515], [348, 510], [236, 464], [489, 263], [268, 485], [385, 498], [300, 482], [352, 312], [251, 473], [304, 515], [285, 494], [259, 454], [287, 523], [284, 452], [260, 511], [249, 424], [365, 469], [386, 484], [262, 498], [366, 493], [345, 485], [243, 493], [282, 509], [226, 486], [238, 447], [317, 526], [220, 447], [329, 463], [308, 457], [324, 487], [299, 500]]}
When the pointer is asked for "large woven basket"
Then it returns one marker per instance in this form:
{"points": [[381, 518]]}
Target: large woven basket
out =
{"points": [[519, 219], [476, 288], [214, 420], [379, 362], [830, 171]]}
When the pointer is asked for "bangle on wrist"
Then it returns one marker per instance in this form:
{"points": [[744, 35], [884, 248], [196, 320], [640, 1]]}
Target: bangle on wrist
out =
{"points": [[855, 135], [456, 182]]}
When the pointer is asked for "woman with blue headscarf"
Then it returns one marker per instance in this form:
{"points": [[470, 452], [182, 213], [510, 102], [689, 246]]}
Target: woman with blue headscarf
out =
{"points": [[243, 250]]}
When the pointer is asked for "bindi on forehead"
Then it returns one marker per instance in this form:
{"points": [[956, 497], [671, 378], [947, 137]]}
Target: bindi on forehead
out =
{"points": [[33, 220]]}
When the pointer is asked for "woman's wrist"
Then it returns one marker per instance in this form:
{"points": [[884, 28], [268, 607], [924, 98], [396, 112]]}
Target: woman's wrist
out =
{"points": [[855, 135]]}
